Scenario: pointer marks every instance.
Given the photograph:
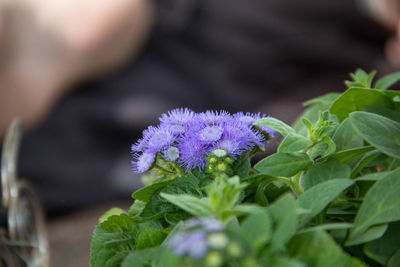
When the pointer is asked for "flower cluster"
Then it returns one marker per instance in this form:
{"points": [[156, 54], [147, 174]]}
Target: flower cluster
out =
{"points": [[197, 236], [187, 138]]}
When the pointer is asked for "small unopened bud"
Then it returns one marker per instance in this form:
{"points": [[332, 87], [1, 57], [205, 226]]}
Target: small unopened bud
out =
{"points": [[214, 259]]}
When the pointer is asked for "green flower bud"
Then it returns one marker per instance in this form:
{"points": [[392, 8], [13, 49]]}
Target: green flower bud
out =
{"points": [[214, 259]]}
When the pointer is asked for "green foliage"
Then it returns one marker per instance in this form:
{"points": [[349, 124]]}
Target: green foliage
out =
{"points": [[329, 196]]}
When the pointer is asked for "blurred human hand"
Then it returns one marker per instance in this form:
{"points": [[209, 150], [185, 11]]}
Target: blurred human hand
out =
{"points": [[47, 46]]}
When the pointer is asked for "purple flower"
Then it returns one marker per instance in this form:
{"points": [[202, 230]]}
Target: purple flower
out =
{"points": [[187, 138], [192, 241], [172, 153], [193, 244], [250, 118], [142, 162]]}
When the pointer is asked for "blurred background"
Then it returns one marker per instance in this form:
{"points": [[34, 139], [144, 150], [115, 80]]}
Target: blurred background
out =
{"points": [[86, 77]]}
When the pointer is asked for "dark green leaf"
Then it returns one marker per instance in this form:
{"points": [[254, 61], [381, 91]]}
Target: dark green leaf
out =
{"points": [[283, 164], [329, 226], [321, 172], [387, 81], [381, 250], [241, 166], [319, 196], [357, 99], [379, 131], [149, 237], [294, 143], [276, 125], [346, 155], [145, 194], [381, 204], [395, 260]]}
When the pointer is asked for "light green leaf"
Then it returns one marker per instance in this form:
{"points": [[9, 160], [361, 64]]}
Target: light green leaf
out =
{"points": [[380, 205], [324, 148], [318, 249], [195, 206], [357, 99], [110, 212], [381, 250], [326, 99], [284, 215], [379, 131], [276, 125], [283, 164], [319, 196], [385, 112], [372, 233], [257, 229], [387, 81], [345, 136], [294, 143], [321, 172]]}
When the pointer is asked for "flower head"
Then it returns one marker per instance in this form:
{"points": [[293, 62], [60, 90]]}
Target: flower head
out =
{"points": [[142, 162], [193, 239]]}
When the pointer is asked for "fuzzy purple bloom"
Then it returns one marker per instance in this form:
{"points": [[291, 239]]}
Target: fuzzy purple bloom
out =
{"points": [[187, 138], [142, 162]]}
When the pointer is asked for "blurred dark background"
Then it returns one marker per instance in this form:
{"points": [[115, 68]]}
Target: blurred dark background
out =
{"points": [[87, 77]]}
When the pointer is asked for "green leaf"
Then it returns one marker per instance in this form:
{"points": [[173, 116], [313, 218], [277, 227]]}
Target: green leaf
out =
{"points": [[294, 143], [321, 172], [275, 261], [385, 112], [241, 166], [324, 148], [395, 260], [151, 257], [346, 155], [372, 233], [357, 99], [319, 196], [387, 81], [379, 131], [373, 176], [284, 215], [328, 226], [312, 114], [112, 240], [149, 237], [257, 229], [380, 205], [276, 125], [364, 161], [136, 208], [110, 212], [318, 249], [145, 194], [345, 136], [381, 250], [326, 99], [283, 164], [193, 205]]}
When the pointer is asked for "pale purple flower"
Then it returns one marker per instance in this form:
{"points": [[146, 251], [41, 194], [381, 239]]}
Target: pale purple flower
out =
{"points": [[142, 162], [172, 153], [193, 244], [250, 118], [192, 240], [210, 134]]}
